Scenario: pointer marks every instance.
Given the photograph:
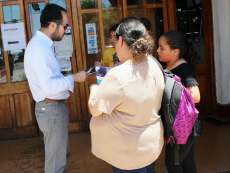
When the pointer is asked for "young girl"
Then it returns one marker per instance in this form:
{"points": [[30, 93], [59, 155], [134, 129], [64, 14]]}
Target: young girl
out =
{"points": [[110, 55], [181, 58]]}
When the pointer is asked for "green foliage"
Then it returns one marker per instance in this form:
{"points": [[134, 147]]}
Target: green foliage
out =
{"points": [[86, 4], [23, 77], [110, 18]]}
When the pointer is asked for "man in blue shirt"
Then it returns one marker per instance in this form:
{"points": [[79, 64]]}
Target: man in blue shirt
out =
{"points": [[50, 87]]}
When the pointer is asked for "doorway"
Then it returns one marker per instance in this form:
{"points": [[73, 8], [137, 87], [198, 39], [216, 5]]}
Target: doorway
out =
{"points": [[16, 102], [17, 118]]}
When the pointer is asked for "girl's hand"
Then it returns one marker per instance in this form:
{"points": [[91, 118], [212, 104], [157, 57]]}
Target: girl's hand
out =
{"points": [[97, 63]]}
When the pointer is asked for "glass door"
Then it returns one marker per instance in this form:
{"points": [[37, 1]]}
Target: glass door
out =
{"points": [[99, 16], [93, 18], [192, 18], [33, 9], [11, 15], [154, 10], [16, 103]]}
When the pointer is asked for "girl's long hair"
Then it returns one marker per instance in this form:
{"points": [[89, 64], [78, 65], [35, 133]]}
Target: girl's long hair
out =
{"points": [[177, 40]]}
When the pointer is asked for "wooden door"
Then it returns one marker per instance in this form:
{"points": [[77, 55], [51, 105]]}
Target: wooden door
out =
{"points": [[17, 118], [203, 38], [33, 9], [102, 14], [155, 10]]}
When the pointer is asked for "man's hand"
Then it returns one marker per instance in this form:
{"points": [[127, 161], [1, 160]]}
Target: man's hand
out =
{"points": [[80, 76]]}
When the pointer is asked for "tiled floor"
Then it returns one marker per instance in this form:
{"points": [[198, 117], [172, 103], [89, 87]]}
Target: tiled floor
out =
{"points": [[212, 154]]}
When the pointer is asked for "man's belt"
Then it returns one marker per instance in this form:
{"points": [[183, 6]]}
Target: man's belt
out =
{"points": [[53, 100]]}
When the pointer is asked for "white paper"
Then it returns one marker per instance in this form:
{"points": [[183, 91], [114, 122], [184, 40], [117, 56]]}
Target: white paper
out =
{"points": [[101, 72], [13, 36], [65, 63], [64, 48], [91, 38]]}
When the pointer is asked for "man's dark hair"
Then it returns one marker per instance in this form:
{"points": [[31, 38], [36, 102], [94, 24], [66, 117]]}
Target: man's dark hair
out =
{"points": [[51, 13]]}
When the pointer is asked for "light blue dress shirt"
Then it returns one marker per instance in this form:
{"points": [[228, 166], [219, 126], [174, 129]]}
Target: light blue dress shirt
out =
{"points": [[43, 71]]}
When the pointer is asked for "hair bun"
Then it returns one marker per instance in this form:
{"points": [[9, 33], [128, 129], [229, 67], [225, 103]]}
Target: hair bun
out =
{"points": [[142, 45], [136, 34]]}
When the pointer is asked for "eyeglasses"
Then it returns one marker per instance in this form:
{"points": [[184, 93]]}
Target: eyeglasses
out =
{"points": [[65, 26]]}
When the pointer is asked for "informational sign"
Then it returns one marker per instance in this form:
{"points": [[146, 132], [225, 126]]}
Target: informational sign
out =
{"points": [[65, 63], [13, 36], [91, 38], [64, 48]]}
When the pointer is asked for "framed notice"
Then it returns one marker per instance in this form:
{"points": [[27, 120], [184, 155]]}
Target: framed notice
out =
{"points": [[64, 48], [13, 36], [65, 63], [91, 38]]}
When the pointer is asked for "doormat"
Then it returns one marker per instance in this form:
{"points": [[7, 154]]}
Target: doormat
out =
{"points": [[215, 122]]}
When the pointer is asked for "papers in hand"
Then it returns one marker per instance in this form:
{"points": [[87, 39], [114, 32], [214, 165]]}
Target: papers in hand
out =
{"points": [[90, 70], [101, 72]]}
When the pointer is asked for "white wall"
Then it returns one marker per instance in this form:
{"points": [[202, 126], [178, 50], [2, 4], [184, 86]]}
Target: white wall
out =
{"points": [[221, 25]]}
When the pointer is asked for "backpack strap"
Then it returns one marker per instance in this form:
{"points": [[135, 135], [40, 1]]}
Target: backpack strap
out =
{"points": [[167, 93], [169, 81], [160, 66], [170, 74], [175, 147]]}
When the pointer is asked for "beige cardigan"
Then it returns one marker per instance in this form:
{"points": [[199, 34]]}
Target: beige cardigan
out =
{"points": [[129, 134]]}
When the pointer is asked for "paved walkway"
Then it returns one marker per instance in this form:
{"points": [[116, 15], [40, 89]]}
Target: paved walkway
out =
{"points": [[212, 154]]}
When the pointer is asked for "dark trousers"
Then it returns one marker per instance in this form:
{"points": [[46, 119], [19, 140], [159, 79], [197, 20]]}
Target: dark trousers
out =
{"points": [[148, 169], [186, 156], [11, 69]]}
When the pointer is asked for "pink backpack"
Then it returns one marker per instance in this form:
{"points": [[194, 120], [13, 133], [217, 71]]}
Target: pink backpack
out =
{"points": [[186, 115]]}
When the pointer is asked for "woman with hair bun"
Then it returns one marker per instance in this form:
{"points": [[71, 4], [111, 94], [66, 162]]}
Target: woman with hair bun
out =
{"points": [[181, 58], [126, 129]]}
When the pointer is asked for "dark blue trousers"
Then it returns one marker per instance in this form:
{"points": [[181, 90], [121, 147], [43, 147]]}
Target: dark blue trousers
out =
{"points": [[148, 169]]}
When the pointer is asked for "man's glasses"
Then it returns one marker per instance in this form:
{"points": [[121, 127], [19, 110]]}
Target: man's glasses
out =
{"points": [[65, 26]]}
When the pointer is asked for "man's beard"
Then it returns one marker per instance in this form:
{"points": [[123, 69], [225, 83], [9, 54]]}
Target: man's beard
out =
{"points": [[56, 36]]}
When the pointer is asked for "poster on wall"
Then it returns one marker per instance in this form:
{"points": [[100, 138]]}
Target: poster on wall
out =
{"points": [[64, 48], [13, 36], [65, 63], [91, 38]]}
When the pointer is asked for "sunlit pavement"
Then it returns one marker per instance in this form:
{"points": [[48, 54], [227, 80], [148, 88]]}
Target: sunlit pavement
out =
{"points": [[212, 154]]}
